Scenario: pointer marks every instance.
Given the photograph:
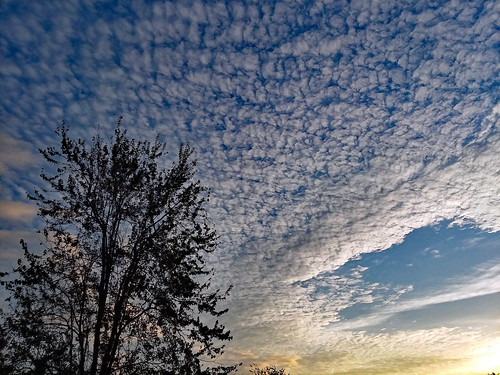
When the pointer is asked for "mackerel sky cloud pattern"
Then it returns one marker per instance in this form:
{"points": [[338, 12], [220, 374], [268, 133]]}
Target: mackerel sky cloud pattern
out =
{"points": [[325, 129]]}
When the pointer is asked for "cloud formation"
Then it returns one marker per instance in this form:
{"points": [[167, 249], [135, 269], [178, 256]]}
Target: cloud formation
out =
{"points": [[482, 282], [325, 130], [17, 211]]}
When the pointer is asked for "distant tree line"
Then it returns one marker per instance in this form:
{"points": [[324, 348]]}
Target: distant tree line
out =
{"points": [[269, 370]]}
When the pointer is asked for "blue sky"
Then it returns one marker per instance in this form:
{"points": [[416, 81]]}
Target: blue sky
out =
{"points": [[351, 148]]}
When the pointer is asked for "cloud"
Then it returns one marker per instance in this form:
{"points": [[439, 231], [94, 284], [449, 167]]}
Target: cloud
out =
{"points": [[15, 154], [484, 281], [17, 211], [429, 351], [437, 350], [325, 130]]}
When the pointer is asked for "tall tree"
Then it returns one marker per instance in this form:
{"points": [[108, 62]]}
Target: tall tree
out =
{"points": [[122, 286]]}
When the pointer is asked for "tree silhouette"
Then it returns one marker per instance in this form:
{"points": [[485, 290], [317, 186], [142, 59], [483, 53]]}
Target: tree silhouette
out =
{"points": [[269, 370], [122, 286]]}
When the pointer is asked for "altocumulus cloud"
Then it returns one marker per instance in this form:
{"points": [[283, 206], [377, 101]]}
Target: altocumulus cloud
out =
{"points": [[325, 129]]}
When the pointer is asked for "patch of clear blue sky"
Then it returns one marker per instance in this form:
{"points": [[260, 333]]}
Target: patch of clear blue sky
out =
{"points": [[429, 259], [480, 312]]}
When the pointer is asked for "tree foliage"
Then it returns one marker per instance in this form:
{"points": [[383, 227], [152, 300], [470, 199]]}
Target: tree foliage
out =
{"points": [[122, 286], [268, 370]]}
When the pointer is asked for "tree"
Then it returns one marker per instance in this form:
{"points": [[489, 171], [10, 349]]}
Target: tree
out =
{"points": [[122, 286], [269, 370]]}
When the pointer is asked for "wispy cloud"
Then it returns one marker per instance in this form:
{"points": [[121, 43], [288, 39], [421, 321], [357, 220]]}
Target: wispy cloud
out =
{"points": [[17, 211], [484, 281], [15, 154]]}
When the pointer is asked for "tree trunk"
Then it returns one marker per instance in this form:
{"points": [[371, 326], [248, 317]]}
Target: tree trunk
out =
{"points": [[103, 295]]}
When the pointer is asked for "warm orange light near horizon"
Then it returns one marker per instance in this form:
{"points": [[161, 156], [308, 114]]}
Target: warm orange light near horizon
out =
{"points": [[481, 361]]}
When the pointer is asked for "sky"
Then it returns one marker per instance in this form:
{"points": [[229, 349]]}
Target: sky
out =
{"points": [[351, 148]]}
